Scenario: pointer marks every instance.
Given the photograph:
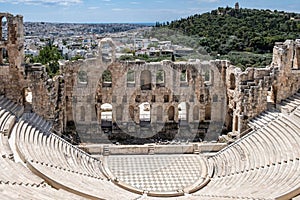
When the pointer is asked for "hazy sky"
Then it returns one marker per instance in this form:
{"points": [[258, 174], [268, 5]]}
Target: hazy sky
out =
{"points": [[100, 11]]}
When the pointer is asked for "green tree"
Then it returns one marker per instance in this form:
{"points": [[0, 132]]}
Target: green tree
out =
{"points": [[49, 56]]}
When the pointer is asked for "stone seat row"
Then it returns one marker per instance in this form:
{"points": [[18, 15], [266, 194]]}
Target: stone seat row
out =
{"points": [[290, 104], [16, 180], [37, 121], [12, 172], [10, 106], [274, 181], [263, 119], [88, 187], [45, 192], [64, 166], [270, 155], [277, 141], [50, 149]]}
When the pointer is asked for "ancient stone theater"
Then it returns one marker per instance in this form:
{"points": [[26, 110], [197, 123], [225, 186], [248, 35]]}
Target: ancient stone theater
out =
{"points": [[106, 129]]}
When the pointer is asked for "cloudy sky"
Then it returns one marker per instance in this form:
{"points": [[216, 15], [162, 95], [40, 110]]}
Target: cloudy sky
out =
{"points": [[102, 11]]}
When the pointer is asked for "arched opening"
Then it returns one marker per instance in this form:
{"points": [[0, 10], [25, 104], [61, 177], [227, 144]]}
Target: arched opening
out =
{"points": [[106, 79], [207, 76], [82, 113], [119, 113], [171, 113], [4, 28], [159, 114], [182, 111], [208, 112], [27, 99], [106, 112], [130, 78], [4, 56], [229, 120], [196, 113], [145, 112], [146, 83], [82, 77], [107, 52], [215, 98], [271, 95], [183, 76], [160, 78], [232, 82]]}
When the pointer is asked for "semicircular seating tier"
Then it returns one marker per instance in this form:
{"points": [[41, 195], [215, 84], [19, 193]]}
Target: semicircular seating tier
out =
{"points": [[37, 164]]}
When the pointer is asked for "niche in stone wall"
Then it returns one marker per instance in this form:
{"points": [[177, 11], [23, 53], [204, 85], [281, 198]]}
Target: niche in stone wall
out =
{"points": [[146, 80], [232, 82], [208, 112], [196, 113], [119, 113], [82, 78], [82, 113], [106, 79], [4, 59], [130, 78], [171, 113], [159, 113], [160, 78]]}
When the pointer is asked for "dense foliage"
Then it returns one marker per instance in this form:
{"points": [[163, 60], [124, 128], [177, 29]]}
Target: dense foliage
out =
{"points": [[49, 56], [230, 33], [227, 29]]}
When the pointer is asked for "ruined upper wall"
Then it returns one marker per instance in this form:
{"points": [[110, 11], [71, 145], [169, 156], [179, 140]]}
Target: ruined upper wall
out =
{"points": [[12, 56], [257, 89]]}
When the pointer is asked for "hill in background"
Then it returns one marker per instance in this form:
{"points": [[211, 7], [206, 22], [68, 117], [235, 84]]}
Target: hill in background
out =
{"points": [[244, 36]]}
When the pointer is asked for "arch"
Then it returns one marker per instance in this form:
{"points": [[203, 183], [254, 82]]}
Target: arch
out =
{"points": [[271, 96], [160, 78], [107, 50], [145, 112], [106, 112], [196, 113], [232, 82], [159, 113], [146, 77], [4, 59], [215, 98], [4, 28], [182, 111], [27, 99], [82, 113], [106, 79], [82, 77], [183, 75], [207, 75], [130, 76], [171, 113], [28, 95], [119, 113]]}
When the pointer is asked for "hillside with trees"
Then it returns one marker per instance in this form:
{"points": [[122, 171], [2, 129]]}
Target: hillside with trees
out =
{"points": [[244, 36]]}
